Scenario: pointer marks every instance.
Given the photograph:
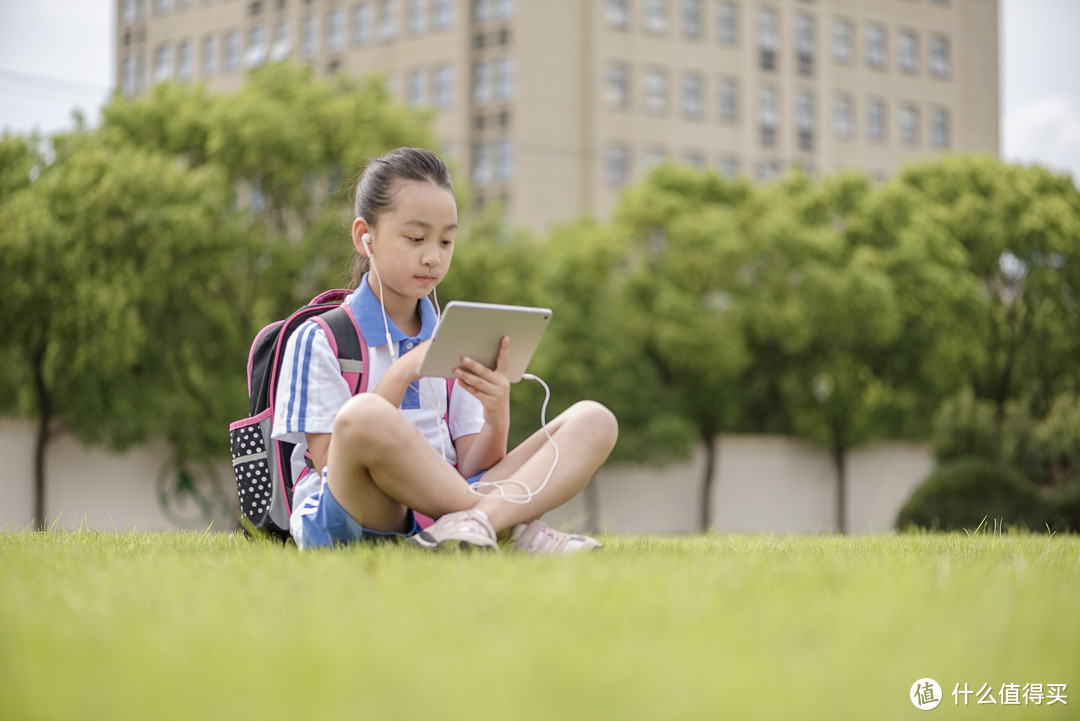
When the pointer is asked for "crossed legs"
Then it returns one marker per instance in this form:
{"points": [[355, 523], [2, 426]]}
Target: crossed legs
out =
{"points": [[380, 466]]}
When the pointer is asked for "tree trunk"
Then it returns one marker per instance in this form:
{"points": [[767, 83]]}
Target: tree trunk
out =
{"points": [[41, 442], [706, 484], [841, 489]]}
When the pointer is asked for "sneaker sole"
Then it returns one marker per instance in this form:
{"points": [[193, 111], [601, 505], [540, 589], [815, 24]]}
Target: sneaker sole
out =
{"points": [[425, 540]]}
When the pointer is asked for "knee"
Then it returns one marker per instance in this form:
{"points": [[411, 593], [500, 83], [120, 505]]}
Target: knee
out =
{"points": [[597, 422], [365, 420]]}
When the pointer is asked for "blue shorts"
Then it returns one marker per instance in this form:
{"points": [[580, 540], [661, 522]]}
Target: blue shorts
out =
{"points": [[324, 522]]}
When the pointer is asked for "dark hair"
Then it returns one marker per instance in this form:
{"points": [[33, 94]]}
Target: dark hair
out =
{"points": [[379, 183]]}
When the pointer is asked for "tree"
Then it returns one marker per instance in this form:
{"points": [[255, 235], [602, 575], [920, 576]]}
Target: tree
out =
{"points": [[1002, 241], [684, 255], [821, 315], [113, 262]]}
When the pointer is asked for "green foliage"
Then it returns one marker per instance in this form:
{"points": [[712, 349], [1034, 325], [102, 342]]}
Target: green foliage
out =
{"points": [[140, 259], [965, 428], [114, 296], [965, 493], [1065, 500]]}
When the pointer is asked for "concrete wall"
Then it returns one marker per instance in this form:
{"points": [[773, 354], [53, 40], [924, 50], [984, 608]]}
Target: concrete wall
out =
{"points": [[762, 484]]}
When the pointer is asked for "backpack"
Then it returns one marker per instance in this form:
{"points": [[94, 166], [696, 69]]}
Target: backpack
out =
{"points": [[263, 467]]}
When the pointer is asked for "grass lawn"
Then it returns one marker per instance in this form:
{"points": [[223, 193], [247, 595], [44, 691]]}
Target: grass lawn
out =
{"points": [[212, 626]]}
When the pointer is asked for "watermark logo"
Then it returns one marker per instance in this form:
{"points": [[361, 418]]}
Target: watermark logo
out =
{"points": [[925, 694]]}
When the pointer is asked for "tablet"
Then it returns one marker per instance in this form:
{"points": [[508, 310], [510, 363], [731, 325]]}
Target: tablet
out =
{"points": [[474, 330]]}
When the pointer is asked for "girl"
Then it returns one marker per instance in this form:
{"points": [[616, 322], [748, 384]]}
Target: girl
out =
{"points": [[393, 449]]}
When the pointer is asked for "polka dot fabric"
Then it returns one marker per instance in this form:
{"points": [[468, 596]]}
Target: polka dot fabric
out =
{"points": [[254, 484]]}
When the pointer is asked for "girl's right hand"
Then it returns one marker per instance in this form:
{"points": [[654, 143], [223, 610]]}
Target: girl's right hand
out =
{"points": [[410, 362]]}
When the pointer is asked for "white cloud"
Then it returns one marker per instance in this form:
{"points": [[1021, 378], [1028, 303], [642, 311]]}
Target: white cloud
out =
{"points": [[1045, 131]]}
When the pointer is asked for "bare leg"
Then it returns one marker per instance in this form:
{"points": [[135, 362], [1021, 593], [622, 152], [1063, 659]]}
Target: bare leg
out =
{"points": [[380, 466], [585, 433]]}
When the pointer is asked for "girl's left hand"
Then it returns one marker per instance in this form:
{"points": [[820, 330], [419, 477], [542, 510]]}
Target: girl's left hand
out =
{"points": [[490, 386]]}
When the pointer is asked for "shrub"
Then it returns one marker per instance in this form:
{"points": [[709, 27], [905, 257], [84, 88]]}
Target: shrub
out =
{"points": [[1055, 447], [965, 428], [962, 493], [1066, 504]]}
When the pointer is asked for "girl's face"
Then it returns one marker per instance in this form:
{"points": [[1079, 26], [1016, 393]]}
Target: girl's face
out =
{"points": [[412, 243]]}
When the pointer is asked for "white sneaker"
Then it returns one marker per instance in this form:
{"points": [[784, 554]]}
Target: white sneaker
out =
{"points": [[464, 529], [539, 538]]}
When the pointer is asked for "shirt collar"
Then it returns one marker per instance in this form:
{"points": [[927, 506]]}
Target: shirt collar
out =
{"points": [[369, 316]]}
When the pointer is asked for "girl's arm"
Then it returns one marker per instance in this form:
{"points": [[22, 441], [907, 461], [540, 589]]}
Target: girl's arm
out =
{"points": [[395, 382], [481, 451]]}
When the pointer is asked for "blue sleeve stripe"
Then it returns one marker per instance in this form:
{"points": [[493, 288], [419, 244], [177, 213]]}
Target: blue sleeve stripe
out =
{"points": [[308, 341], [296, 345]]}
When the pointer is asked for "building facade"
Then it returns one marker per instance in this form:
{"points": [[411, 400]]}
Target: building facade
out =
{"points": [[552, 106]]}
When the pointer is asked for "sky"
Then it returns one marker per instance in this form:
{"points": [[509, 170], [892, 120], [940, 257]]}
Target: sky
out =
{"points": [[57, 56]]}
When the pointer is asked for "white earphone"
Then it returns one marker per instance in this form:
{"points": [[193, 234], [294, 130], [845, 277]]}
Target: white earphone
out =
{"points": [[366, 240]]}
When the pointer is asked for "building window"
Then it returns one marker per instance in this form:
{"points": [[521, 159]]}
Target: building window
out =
{"points": [[618, 165], [939, 127], [653, 156], [694, 158], [843, 40], [691, 19], [692, 101], [444, 14], [768, 115], [618, 85], [257, 48], [727, 22], [939, 56], [335, 30], [767, 171], [804, 43], [141, 74], [504, 160], [387, 21], [127, 75], [728, 166], [875, 45], [875, 119], [417, 90], [907, 46], [504, 9], [232, 51], [909, 124], [127, 16], [843, 116], [282, 47], [655, 90], [443, 81], [363, 24], [804, 119], [481, 11], [656, 16], [183, 61], [768, 38], [163, 7], [481, 83], [163, 67], [728, 100], [417, 16], [481, 174], [209, 56], [311, 36], [618, 14], [504, 78]]}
